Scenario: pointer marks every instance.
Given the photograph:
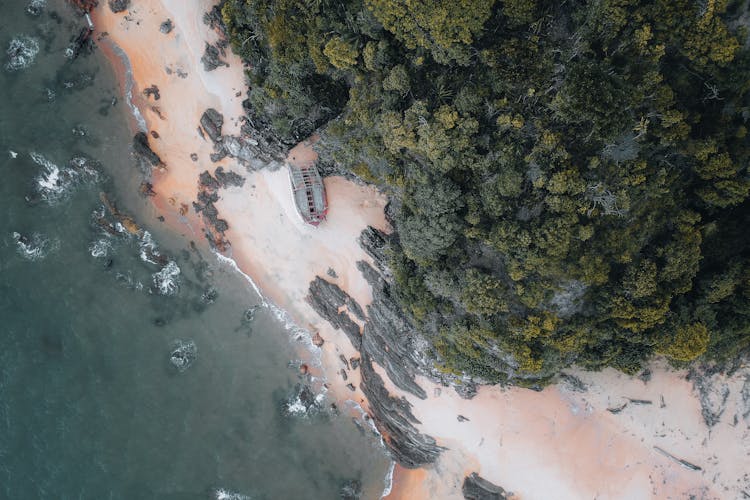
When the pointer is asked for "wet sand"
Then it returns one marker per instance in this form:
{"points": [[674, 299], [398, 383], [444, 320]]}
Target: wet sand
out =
{"points": [[553, 444]]}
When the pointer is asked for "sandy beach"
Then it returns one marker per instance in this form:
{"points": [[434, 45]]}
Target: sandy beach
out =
{"points": [[558, 443]]}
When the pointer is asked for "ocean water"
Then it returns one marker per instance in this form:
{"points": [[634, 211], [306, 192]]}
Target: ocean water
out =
{"points": [[134, 366]]}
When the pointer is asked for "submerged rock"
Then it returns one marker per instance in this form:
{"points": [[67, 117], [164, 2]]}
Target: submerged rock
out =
{"points": [[478, 488], [183, 354], [351, 490], [21, 52]]}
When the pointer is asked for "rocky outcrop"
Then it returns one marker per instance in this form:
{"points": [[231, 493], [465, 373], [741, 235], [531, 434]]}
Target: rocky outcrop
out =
{"points": [[478, 488], [395, 422], [373, 242], [143, 151], [228, 178], [327, 298]]}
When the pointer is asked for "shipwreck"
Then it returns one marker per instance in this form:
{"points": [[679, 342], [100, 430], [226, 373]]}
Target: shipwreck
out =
{"points": [[309, 193]]}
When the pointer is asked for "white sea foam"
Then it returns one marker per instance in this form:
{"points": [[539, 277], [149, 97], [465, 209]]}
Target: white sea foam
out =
{"points": [[55, 182], [34, 247], [100, 248], [167, 280], [388, 480], [13, 154], [35, 7], [21, 52], [148, 248], [222, 494], [128, 281], [129, 84]]}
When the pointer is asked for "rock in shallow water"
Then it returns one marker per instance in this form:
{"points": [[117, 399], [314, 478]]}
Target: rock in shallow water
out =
{"points": [[183, 354]]}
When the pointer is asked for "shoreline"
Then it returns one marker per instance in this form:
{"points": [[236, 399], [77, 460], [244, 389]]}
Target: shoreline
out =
{"points": [[512, 436]]}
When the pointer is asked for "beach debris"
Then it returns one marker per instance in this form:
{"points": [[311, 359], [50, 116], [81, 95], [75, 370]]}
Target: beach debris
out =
{"points": [[478, 488], [166, 27], [143, 150], [183, 354], [662, 404], [194, 156], [351, 387], [343, 374], [21, 52], [461, 418], [153, 90], [118, 5], [617, 409], [680, 461], [317, 340], [330, 272], [212, 121], [640, 401], [212, 58]]}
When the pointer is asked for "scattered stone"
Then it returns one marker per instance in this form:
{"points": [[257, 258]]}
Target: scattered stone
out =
{"points": [[354, 362], [478, 488], [161, 218], [146, 189], [211, 58], [461, 418], [166, 27], [331, 273], [154, 134], [645, 375], [343, 374], [194, 156], [304, 369], [118, 5], [662, 404], [153, 90], [351, 387], [317, 340]]}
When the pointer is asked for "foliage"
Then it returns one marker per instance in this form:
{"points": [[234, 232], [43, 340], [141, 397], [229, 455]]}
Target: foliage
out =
{"points": [[569, 179]]}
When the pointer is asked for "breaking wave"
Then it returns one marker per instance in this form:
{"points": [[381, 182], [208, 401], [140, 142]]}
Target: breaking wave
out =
{"points": [[21, 52], [34, 247], [36, 7], [54, 182], [100, 248], [167, 280], [149, 250], [222, 494]]}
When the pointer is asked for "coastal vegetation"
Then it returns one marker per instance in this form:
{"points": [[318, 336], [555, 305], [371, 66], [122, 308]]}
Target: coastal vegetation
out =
{"points": [[569, 180]]}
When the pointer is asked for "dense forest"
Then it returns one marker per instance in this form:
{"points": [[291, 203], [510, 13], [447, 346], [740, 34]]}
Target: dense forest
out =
{"points": [[569, 180]]}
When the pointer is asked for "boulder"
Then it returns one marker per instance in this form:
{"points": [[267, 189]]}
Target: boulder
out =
{"points": [[118, 5]]}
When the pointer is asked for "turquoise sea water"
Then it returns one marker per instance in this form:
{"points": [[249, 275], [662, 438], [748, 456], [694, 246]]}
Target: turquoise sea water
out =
{"points": [[93, 401]]}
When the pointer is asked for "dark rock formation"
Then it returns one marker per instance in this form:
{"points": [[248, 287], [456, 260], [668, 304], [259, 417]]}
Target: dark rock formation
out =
{"points": [[389, 338], [373, 242], [142, 150], [212, 58], [326, 298], [166, 27], [119, 5], [153, 90], [212, 121], [226, 179], [478, 488], [394, 420]]}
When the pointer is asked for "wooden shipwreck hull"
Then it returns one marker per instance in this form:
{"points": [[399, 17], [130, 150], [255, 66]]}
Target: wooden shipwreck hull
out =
{"points": [[309, 193]]}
